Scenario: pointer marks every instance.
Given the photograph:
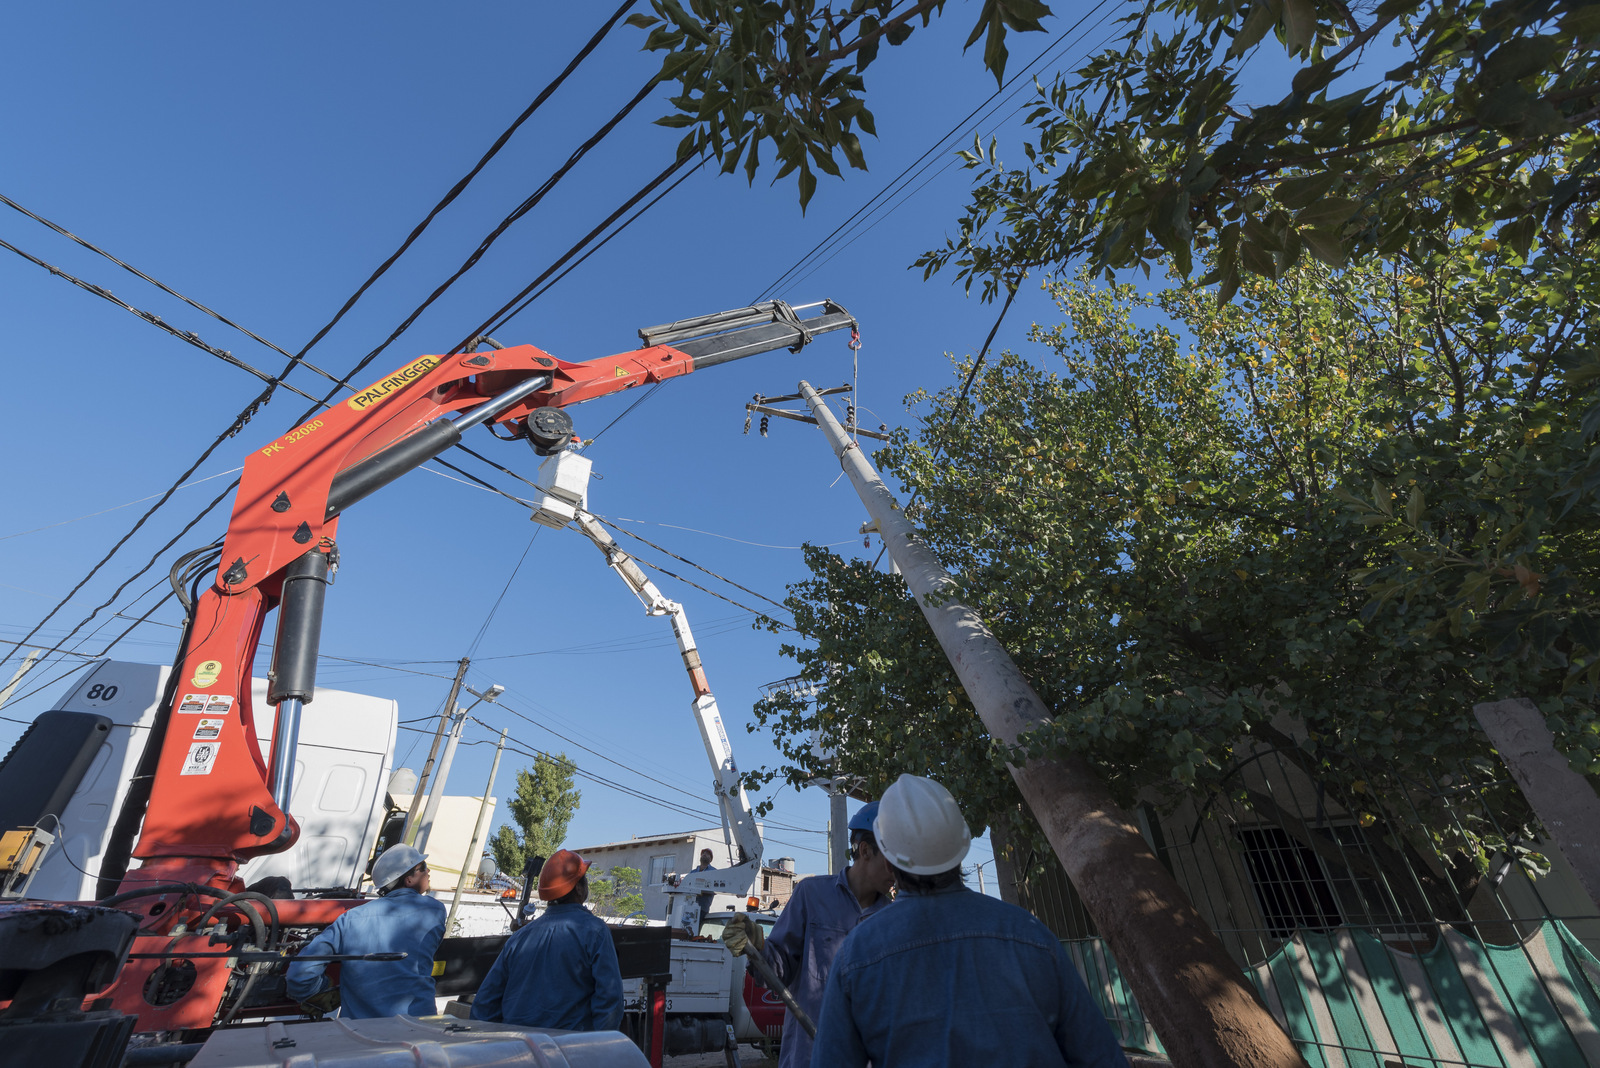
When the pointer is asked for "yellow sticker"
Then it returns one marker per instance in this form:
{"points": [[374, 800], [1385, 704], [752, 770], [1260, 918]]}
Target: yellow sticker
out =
{"points": [[394, 383], [206, 674], [438, 968], [620, 373]]}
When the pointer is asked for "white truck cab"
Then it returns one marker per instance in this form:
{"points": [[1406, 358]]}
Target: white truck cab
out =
{"points": [[341, 770]]}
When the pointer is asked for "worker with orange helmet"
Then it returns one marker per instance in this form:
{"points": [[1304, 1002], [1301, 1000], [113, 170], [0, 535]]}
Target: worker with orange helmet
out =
{"points": [[560, 970]]}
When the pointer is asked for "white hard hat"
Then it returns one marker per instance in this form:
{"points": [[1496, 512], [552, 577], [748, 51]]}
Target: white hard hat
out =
{"points": [[919, 827], [393, 863]]}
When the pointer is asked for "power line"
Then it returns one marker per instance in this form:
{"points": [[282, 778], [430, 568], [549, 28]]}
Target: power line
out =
{"points": [[514, 312], [524, 749], [64, 232], [114, 507], [691, 563], [494, 235], [465, 180], [889, 188], [250, 410], [500, 317], [153, 319]]}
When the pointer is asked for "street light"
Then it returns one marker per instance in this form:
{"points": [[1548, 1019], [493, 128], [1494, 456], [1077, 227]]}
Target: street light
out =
{"points": [[419, 834], [492, 694]]}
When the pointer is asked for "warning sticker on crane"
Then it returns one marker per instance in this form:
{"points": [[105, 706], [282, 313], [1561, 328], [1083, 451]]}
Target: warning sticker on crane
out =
{"points": [[395, 382], [193, 702], [219, 703], [202, 758], [206, 674], [208, 729]]}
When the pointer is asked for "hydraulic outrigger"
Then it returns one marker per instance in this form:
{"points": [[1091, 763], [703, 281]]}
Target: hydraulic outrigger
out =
{"points": [[204, 801]]}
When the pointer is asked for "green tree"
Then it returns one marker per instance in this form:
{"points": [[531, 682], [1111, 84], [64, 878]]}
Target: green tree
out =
{"points": [[616, 891], [1174, 533], [542, 807], [1152, 150]]}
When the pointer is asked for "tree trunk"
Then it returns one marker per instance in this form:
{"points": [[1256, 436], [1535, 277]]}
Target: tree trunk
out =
{"points": [[1193, 993]]}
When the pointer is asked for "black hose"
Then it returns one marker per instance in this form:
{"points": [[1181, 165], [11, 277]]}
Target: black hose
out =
{"points": [[156, 890], [247, 908], [271, 914]]}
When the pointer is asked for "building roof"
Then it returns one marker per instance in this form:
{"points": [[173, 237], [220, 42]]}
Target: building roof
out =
{"points": [[655, 839]]}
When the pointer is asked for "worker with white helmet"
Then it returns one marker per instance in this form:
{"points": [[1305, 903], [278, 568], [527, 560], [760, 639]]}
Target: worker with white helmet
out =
{"points": [[402, 920], [822, 911], [949, 976]]}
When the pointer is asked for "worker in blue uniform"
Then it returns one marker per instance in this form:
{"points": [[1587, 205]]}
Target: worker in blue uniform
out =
{"points": [[949, 977], [559, 971], [813, 925], [402, 920]]}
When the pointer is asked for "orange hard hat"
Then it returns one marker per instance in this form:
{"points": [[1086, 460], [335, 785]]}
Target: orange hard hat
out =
{"points": [[560, 874]]}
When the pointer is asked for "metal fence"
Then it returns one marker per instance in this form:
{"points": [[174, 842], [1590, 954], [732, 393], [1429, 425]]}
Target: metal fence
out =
{"points": [[1391, 920]]}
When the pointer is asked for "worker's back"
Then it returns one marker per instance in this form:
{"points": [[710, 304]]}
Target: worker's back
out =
{"points": [[559, 971], [951, 977], [402, 921]]}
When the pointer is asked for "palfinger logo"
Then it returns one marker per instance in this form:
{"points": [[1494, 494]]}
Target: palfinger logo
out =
{"points": [[402, 378]]}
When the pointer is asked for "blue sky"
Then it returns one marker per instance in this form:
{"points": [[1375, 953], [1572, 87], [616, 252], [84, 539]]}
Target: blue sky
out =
{"points": [[262, 160]]}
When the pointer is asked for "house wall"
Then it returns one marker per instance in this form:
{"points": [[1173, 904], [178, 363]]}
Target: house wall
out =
{"points": [[659, 856]]}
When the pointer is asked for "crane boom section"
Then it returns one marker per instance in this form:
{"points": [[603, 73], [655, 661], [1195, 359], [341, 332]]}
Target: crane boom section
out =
{"points": [[212, 801], [737, 818]]}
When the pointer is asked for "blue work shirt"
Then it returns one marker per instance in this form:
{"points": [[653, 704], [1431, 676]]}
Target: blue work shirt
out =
{"points": [[402, 921], [801, 948], [559, 971], [950, 978]]}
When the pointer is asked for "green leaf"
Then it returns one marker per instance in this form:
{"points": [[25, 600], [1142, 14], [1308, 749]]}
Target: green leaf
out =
{"points": [[808, 186], [1299, 25], [1258, 260], [1325, 246], [1326, 214], [1263, 235], [1261, 19], [644, 22], [1296, 193], [1228, 285]]}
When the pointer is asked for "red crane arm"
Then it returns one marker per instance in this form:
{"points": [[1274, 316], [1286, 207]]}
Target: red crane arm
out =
{"points": [[213, 801]]}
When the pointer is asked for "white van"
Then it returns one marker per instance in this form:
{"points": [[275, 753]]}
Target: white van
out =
{"points": [[341, 769]]}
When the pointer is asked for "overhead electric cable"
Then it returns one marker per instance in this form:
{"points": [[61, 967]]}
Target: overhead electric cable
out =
{"points": [[691, 563], [152, 318], [254, 406], [494, 235], [889, 188], [500, 323], [465, 180], [489, 325], [114, 507], [64, 232], [528, 750]]}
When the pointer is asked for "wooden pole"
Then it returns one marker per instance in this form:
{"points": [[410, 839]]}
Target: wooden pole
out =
{"points": [[409, 837], [1196, 997]]}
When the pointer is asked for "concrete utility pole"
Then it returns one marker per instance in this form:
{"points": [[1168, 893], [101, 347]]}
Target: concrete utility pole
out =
{"points": [[838, 829], [412, 823], [1564, 801], [430, 811], [1195, 996], [11, 687], [477, 833]]}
